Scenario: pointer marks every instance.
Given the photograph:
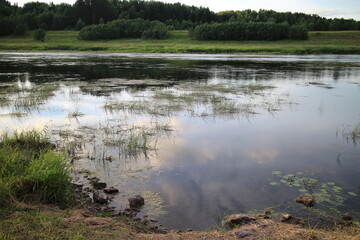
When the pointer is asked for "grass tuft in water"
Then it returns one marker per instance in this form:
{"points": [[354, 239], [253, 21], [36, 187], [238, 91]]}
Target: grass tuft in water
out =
{"points": [[133, 141], [354, 134], [75, 114]]}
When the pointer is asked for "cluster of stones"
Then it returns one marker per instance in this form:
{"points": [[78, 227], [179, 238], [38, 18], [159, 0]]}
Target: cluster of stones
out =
{"points": [[99, 195]]}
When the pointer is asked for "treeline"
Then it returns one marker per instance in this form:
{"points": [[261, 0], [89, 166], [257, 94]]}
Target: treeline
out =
{"points": [[312, 22], [63, 16], [122, 28], [34, 15], [240, 31]]}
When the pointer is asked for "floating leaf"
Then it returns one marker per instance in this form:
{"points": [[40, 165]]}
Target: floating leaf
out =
{"points": [[323, 191], [299, 173], [352, 194], [274, 183], [288, 176], [331, 183], [296, 185], [312, 180], [324, 185], [283, 181], [276, 173], [303, 190], [336, 189]]}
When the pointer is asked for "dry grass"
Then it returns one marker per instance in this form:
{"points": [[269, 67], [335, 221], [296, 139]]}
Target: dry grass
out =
{"points": [[265, 229], [49, 222], [52, 223]]}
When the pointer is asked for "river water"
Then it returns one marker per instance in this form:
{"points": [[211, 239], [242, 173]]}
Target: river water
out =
{"points": [[199, 136]]}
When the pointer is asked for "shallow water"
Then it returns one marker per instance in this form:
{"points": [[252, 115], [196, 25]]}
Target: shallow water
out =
{"points": [[208, 154]]}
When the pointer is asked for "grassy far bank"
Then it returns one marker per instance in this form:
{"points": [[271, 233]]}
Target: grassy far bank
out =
{"points": [[344, 42]]}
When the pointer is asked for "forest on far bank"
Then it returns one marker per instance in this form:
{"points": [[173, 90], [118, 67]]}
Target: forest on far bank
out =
{"points": [[34, 15]]}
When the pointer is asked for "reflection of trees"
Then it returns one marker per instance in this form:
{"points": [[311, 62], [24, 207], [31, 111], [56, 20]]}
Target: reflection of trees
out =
{"points": [[92, 68]]}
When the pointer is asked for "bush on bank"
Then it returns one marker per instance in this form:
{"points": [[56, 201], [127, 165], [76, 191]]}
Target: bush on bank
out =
{"points": [[124, 28], [244, 31]]}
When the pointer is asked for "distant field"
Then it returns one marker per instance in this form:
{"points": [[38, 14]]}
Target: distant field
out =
{"points": [[345, 42]]}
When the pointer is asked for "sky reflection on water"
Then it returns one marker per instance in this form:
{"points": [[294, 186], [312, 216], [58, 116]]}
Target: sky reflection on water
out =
{"points": [[210, 165]]}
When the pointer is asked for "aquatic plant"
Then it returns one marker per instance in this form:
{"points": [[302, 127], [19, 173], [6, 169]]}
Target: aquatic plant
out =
{"points": [[75, 114], [154, 203], [132, 142], [4, 101], [32, 98], [326, 194], [353, 134]]}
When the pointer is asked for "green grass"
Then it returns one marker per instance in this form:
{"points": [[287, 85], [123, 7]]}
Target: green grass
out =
{"points": [[29, 166], [342, 42]]}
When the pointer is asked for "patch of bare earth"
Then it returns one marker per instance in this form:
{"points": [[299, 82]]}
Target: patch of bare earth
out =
{"points": [[262, 229]]}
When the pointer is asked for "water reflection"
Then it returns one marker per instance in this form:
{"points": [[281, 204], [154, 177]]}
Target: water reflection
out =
{"points": [[206, 131]]}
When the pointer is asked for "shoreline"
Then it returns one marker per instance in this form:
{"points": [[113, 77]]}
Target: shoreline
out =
{"points": [[37, 221]]}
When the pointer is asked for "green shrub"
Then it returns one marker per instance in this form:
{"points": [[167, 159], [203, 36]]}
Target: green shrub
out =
{"points": [[157, 31], [39, 34], [242, 31], [124, 28]]}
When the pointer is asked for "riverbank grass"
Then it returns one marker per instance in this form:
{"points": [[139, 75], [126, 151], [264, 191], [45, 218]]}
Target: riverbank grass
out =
{"points": [[30, 168], [341, 42]]}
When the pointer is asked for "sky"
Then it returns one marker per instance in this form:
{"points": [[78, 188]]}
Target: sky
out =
{"points": [[324, 8]]}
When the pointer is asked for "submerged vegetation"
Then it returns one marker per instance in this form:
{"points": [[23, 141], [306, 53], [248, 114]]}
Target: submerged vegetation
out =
{"points": [[204, 100], [353, 134], [328, 196], [22, 100], [29, 166], [130, 129]]}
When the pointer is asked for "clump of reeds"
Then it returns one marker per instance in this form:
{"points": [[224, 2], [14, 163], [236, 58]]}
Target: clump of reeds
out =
{"points": [[354, 134]]}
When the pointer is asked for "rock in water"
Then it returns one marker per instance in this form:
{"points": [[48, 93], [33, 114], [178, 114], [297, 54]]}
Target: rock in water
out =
{"points": [[286, 217], [239, 219], [307, 201], [136, 201], [99, 185], [111, 190], [100, 197], [346, 216]]}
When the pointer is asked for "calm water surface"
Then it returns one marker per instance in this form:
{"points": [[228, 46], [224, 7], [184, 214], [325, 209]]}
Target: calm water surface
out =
{"points": [[202, 161]]}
